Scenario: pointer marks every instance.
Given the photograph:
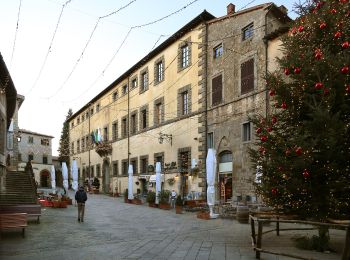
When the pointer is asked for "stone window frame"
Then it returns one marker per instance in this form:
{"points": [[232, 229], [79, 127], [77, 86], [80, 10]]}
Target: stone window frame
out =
{"points": [[115, 136], [221, 73], [78, 146], [125, 89], [179, 161], [124, 172], [98, 170], [180, 107], [78, 120], [141, 158], [115, 169], [134, 159], [98, 107], [87, 142], [186, 42], [156, 103], [156, 76], [250, 131], [133, 78], [82, 141], [115, 95], [143, 108], [72, 148], [47, 158], [248, 28], [141, 88], [251, 55], [155, 155], [218, 47], [105, 139], [124, 132], [134, 113]]}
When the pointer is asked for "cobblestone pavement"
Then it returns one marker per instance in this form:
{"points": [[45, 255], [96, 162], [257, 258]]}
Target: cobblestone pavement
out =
{"points": [[116, 230]]}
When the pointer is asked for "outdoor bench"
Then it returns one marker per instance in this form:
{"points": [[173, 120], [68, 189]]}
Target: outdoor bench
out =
{"points": [[13, 220], [33, 210]]}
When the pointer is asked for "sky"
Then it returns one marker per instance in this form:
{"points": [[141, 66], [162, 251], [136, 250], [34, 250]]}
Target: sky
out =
{"points": [[62, 53]]}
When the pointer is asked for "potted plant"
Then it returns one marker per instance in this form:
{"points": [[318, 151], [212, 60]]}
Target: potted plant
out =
{"points": [[178, 205], [164, 196], [151, 199], [126, 194], [96, 185]]}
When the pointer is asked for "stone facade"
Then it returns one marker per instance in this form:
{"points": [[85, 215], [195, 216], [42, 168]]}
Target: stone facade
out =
{"points": [[238, 57]]}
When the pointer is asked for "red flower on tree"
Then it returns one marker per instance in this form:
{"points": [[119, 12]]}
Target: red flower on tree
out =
{"points": [[345, 70]]}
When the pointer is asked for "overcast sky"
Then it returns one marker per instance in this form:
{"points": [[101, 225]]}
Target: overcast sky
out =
{"points": [[60, 54]]}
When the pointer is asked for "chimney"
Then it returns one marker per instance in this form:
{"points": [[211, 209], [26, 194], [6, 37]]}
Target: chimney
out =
{"points": [[283, 9], [230, 9]]}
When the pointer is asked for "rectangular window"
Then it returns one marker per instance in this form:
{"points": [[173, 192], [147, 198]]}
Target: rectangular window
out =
{"points": [[248, 32], [105, 134], [134, 166], [115, 95], [144, 81], [78, 120], [30, 139], [218, 50], [82, 117], [144, 119], [83, 144], [98, 170], [160, 71], [92, 111], [87, 115], [114, 131], [184, 162], [44, 159], [78, 146], [124, 127], [72, 125], [184, 97], [72, 148], [216, 90], [98, 108], [125, 89], [144, 165], [115, 168], [2, 130], [45, 142], [92, 171], [159, 159], [87, 142], [210, 140], [19, 157], [125, 168], [246, 132], [247, 76], [185, 61], [158, 113], [134, 83], [133, 124], [30, 157]]}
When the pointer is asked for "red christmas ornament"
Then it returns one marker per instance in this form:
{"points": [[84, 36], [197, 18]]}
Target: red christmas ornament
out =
{"points": [[284, 105], [343, 1], [325, 91], [318, 85], [262, 150], [297, 70], [272, 92], [300, 28], [274, 120], [306, 173], [286, 71], [323, 25], [274, 191], [345, 70], [258, 130], [269, 129], [345, 45], [298, 150], [319, 4], [263, 138], [333, 11], [337, 34]]}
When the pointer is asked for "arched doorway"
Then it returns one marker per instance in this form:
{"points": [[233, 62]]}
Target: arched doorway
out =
{"points": [[105, 176], [225, 175], [44, 178]]}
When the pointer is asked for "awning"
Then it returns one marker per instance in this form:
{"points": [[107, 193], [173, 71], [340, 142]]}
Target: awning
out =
{"points": [[153, 178]]}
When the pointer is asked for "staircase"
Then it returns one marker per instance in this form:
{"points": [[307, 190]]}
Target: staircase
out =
{"points": [[20, 189]]}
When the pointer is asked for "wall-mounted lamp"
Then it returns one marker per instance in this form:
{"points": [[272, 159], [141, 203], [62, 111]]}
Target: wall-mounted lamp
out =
{"points": [[166, 137]]}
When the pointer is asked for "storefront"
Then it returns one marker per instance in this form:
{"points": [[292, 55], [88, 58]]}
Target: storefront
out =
{"points": [[225, 176]]}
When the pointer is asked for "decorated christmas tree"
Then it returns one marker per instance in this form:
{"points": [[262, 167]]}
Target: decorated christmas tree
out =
{"points": [[303, 144]]}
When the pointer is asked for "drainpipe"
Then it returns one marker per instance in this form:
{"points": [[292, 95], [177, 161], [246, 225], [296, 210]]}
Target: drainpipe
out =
{"points": [[206, 99], [128, 121], [266, 42]]}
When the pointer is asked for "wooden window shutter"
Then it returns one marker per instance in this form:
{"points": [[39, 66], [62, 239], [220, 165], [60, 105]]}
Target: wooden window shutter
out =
{"points": [[217, 90], [247, 76]]}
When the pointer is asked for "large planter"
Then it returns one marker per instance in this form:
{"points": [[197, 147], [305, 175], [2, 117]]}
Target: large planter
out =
{"points": [[164, 206], [203, 215], [178, 209], [56, 203], [63, 204], [137, 201]]}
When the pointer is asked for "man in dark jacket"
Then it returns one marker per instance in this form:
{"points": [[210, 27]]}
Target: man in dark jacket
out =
{"points": [[81, 197]]}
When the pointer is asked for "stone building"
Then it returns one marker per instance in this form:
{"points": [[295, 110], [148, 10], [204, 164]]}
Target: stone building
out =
{"points": [[241, 49], [36, 148], [149, 114], [193, 92]]}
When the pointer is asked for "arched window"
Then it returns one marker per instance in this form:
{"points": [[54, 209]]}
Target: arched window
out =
{"points": [[225, 161]]}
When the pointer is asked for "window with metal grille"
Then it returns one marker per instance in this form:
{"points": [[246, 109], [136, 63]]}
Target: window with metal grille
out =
{"points": [[185, 56], [144, 119], [124, 127], [144, 81], [158, 113], [216, 90], [247, 76], [184, 97], [160, 71], [115, 168], [210, 140], [133, 124], [78, 146], [144, 165], [125, 168], [115, 131]]}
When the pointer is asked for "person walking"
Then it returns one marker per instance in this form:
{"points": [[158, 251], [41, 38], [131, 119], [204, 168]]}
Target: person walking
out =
{"points": [[81, 198], [173, 198]]}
